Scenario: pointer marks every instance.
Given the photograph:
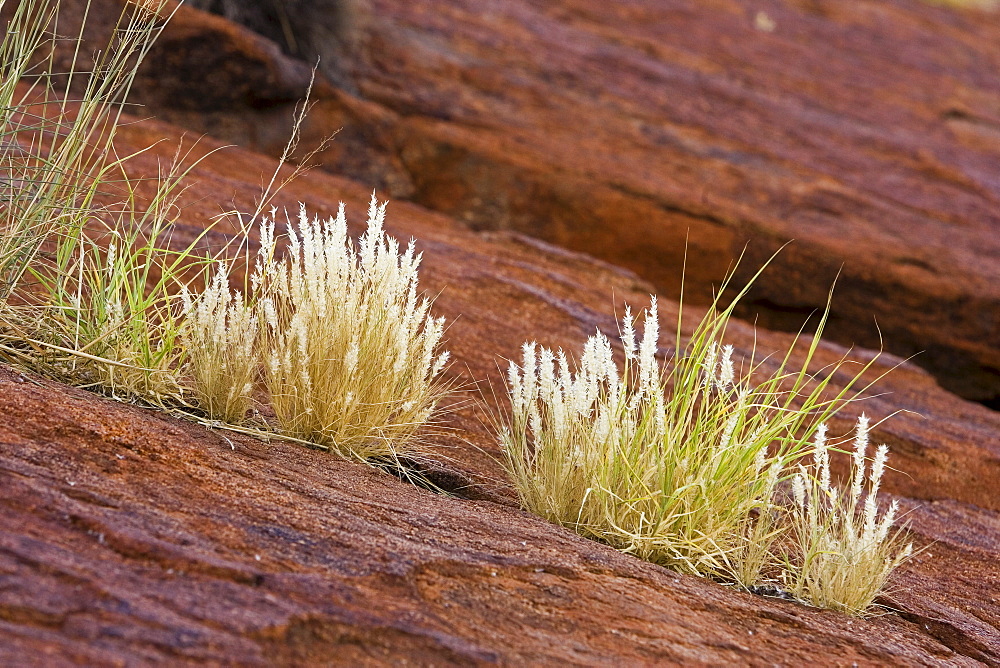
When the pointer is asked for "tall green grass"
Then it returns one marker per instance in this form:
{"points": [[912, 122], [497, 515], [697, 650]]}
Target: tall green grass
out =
{"points": [[56, 146], [94, 306], [104, 312]]}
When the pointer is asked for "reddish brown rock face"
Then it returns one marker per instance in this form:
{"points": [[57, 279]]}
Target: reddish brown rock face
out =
{"points": [[133, 537], [130, 537], [867, 133]]}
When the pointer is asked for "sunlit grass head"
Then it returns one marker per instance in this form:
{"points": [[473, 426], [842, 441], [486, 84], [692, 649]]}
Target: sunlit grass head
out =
{"points": [[845, 548]]}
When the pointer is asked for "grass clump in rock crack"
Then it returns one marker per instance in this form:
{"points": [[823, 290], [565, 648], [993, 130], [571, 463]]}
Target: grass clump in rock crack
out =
{"points": [[349, 350], [845, 549], [682, 465]]}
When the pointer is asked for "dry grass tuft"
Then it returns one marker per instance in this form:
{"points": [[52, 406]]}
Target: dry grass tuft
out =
{"points": [[220, 334], [349, 348], [846, 550], [679, 464]]}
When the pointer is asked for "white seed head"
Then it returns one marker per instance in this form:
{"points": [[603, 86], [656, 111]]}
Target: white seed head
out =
{"points": [[860, 452], [628, 334], [727, 374], [710, 363], [729, 430], [799, 487]]}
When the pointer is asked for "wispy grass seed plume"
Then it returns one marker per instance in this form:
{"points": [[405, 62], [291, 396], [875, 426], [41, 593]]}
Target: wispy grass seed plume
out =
{"points": [[221, 335], [349, 349], [845, 548]]}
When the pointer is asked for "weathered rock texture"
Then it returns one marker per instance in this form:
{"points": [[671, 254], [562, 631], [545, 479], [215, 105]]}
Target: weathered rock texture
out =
{"points": [[868, 132], [131, 537]]}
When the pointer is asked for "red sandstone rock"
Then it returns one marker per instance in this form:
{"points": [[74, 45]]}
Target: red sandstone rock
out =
{"points": [[204, 63], [133, 537]]}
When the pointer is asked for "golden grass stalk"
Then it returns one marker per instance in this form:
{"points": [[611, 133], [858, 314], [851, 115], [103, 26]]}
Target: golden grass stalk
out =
{"points": [[845, 550], [351, 350], [220, 334]]}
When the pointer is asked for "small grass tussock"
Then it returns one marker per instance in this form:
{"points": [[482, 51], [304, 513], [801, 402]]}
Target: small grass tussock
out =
{"points": [[349, 349], [845, 549], [679, 465], [220, 333]]}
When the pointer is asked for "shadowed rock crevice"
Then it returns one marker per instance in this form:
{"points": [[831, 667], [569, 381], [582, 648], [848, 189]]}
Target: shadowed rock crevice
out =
{"points": [[324, 33], [955, 639]]}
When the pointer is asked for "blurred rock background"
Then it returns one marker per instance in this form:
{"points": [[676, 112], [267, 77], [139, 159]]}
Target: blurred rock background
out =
{"points": [[867, 133]]}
